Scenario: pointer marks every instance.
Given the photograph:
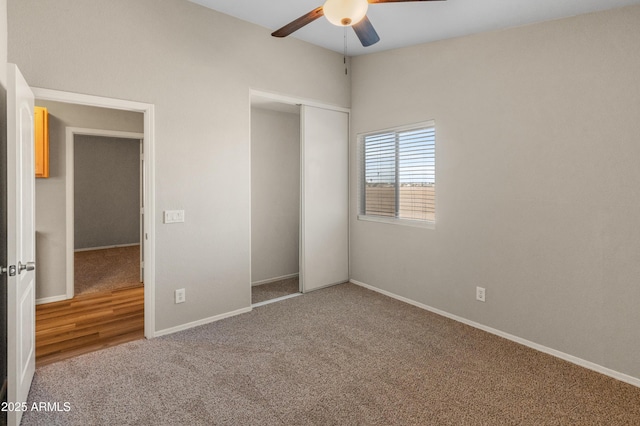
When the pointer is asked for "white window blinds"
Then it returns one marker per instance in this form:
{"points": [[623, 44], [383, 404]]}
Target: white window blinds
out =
{"points": [[398, 173]]}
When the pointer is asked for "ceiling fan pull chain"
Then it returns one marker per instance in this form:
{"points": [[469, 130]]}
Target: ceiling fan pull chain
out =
{"points": [[344, 58]]}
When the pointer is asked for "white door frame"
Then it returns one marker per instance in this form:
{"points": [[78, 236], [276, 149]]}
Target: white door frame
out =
{"points": [[291, 100], [71, 132], [148, 111]]}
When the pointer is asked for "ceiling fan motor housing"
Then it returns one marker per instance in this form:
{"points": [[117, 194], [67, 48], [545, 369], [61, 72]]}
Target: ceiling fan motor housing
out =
{"points": [[344, 13]]}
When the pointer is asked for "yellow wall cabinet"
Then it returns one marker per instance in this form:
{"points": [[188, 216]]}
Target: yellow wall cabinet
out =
{"points": [[41, 118]]}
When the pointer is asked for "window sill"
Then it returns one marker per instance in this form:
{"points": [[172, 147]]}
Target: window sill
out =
{"points": [[394, 221]]}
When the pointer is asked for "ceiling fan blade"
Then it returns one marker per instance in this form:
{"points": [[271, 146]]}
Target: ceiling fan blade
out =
{"points": [[396, 1], [299, 23], [365, 32]]}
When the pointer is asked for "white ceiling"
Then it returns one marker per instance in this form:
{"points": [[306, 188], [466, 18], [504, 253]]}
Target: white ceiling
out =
{"points": [[406, 24]]}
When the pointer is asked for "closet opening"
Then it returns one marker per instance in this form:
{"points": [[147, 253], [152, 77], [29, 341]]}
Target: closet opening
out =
{"points": [[299, 196], [275, 200]]}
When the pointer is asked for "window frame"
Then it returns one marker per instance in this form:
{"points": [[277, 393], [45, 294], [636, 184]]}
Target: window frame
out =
{"points": [[360, 138]]}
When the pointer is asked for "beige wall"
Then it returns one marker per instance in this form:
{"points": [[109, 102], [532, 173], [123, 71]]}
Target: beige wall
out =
{"points": [[537, 181], [197, 67], [3, 42], [51, 210], [275, 194]]}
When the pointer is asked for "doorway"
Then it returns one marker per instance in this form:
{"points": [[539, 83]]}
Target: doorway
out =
{"points": [[56, 216], [108, 223], [148, 179], [88, 223]]}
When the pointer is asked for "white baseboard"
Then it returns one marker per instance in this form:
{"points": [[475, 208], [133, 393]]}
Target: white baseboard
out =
{"points": [[51, 299], [272, 280], [106, 247], [200, 322], [570, 358]]}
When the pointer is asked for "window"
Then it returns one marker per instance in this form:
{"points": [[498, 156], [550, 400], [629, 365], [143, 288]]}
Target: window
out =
{"points": [[397, 175]]}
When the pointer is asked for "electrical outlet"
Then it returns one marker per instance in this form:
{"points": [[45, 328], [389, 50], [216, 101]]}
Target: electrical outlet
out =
{"points": [[480, 293], [180, 295]]}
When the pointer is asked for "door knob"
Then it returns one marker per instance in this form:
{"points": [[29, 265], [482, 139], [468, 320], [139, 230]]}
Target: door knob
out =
{"points": [[29, 266]]}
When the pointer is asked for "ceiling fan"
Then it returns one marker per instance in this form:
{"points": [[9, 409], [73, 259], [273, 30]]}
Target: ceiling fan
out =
{"points": [[342, 13]]}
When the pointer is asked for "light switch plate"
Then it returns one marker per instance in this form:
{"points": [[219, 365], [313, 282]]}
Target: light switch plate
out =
{"points": [[173, 216]]}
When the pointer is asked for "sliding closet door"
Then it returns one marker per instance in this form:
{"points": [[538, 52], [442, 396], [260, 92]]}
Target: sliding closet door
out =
{"points": [[324, 245]]}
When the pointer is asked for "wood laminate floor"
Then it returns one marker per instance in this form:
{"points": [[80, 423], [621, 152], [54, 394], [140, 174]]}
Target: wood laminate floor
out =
{"points": [[88, 323]]}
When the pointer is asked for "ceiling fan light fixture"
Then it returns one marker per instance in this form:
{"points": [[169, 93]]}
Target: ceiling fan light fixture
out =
{"points": [[345, 13]]}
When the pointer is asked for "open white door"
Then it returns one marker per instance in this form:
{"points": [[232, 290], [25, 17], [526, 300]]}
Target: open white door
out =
{"points": [[20, 241], [324, 245]]}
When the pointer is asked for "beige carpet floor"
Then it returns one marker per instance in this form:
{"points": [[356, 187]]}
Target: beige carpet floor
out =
{"points": [[106, 269], [264, 292], [338, 356]]}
